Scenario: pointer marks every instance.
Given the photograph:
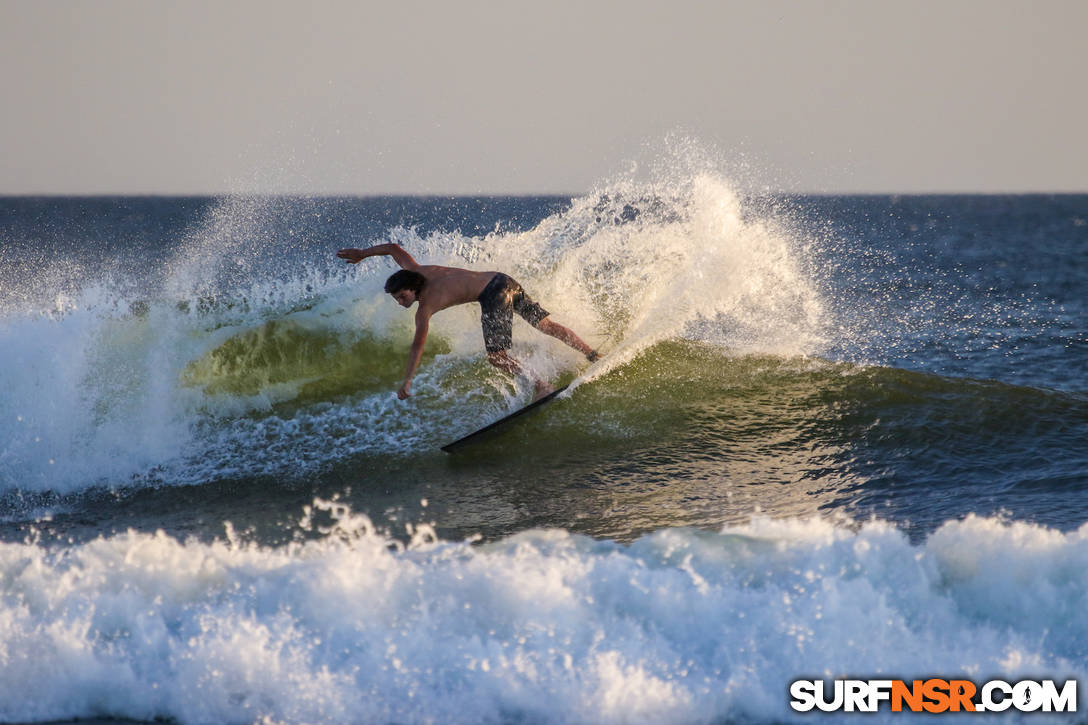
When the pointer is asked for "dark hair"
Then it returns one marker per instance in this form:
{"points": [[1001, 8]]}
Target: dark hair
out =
{"points": [[405, 279]]}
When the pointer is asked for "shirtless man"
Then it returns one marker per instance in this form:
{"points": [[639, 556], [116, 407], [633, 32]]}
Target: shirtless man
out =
{"points": [[435, 288]]}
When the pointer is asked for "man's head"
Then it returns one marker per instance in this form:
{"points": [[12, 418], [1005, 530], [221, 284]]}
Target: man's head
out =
{"points": [[405, 286]]}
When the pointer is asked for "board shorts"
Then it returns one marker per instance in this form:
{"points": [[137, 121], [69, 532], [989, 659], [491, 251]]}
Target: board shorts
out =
{"points": [[501, 298]]}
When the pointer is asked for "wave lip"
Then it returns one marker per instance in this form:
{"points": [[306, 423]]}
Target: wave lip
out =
{"points": [[545, 626]]}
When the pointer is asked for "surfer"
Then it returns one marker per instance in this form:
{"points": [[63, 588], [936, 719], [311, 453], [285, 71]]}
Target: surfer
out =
{"points": [[436, 287]]}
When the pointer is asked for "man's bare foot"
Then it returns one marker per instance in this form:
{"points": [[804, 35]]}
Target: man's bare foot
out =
{"points": [[540, 389]]}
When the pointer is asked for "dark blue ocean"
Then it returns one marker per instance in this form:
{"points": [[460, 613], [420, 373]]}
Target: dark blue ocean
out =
{"points": [[830, 436]]}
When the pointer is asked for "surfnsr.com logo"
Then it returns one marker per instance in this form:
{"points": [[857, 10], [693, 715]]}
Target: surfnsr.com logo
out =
{"points": [[933, 695]]}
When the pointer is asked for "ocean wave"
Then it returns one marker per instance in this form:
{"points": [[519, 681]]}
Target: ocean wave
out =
{"points": [[245, 318], [349, 625], [254, 355], [170, 396]]}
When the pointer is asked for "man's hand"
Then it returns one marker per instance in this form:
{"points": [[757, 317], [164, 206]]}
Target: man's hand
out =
{"points": [[405, 391], [351, 256]]}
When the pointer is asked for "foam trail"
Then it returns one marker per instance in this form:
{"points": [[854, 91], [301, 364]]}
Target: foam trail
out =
{"points": [[545, 626]]}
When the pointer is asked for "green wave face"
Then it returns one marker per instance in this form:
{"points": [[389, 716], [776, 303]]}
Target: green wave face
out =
{"points": [[288, 360], [675, 389]]}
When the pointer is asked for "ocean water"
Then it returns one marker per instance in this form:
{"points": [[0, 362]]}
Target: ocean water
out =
{"points": [[830, 436]]}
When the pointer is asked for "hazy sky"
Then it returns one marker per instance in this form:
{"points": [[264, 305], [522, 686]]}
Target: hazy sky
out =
{"points": [[465, 96]]}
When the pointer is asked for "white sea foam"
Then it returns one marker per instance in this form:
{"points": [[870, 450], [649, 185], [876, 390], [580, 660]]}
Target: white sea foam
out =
{"points": [[88, 395], [545, 626]]}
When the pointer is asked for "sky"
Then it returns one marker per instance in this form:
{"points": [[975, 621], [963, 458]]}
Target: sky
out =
{"points": [[474, 97]]}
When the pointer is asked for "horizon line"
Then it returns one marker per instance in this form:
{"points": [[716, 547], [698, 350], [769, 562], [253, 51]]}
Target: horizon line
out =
{"points": [[498, 195]]}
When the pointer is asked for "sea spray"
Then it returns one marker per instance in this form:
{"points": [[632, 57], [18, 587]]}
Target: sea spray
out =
{"points": [[91, 398]]}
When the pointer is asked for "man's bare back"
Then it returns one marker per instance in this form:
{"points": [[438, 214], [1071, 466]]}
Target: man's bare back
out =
{"points": [[438, 287], [446, 286], [449, 286]]}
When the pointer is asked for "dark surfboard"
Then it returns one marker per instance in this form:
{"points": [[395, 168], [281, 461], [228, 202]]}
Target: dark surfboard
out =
{"points": [[477, 435]]}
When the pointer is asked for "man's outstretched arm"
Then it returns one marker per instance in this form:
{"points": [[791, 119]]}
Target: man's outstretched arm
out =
{"points": [[401, 257]]}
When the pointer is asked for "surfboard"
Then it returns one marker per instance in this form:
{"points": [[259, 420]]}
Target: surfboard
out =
{"points": [[479, 434]]}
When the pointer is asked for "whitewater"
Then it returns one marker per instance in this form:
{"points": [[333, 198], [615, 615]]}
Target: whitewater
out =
{"points": [[543, 626]]}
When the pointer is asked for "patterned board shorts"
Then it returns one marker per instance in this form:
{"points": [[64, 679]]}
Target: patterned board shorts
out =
{"points": [[501, 298]]}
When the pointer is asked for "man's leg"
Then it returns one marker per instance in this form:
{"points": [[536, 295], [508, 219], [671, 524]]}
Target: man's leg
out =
{"points": [[539, 318], [566, 335], [502, 360]]}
